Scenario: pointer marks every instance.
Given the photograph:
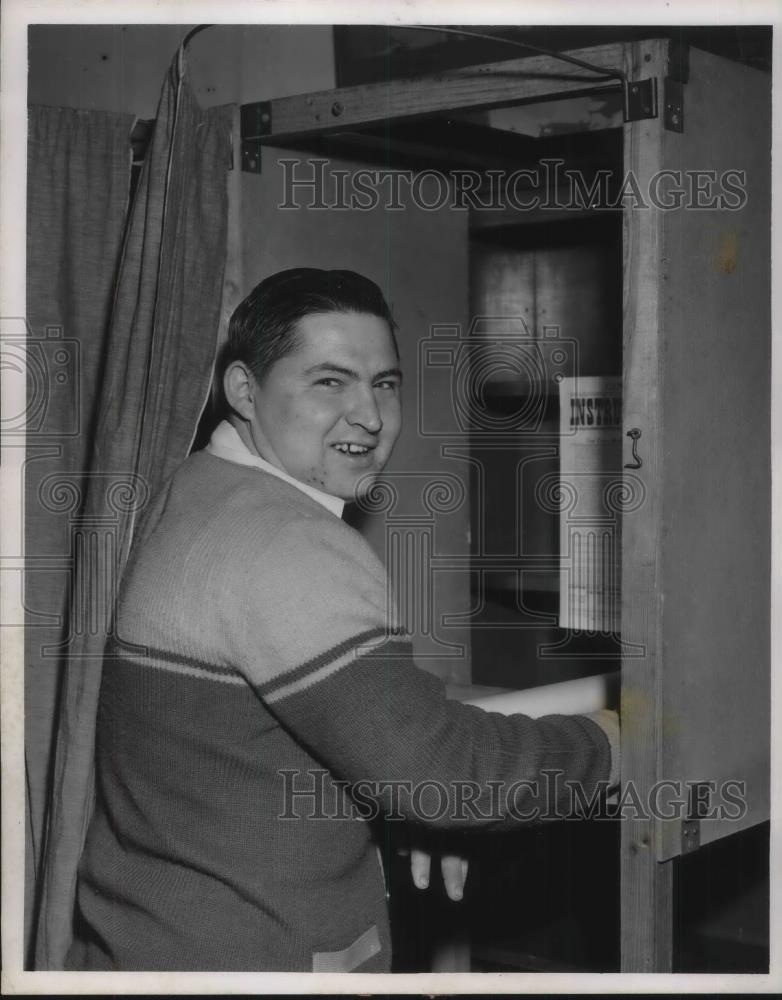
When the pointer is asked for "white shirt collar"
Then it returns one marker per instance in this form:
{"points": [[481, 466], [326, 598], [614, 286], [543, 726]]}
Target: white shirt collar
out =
{"points": [[226, 443]]}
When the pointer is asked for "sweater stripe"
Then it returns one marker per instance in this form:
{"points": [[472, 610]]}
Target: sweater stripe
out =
{"points": [[336, 657], [185, 665], [321, 667], [368, 643], [114, 652]]}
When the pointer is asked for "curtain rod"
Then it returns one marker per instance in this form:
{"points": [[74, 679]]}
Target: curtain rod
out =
{"points": [[191, 34]]}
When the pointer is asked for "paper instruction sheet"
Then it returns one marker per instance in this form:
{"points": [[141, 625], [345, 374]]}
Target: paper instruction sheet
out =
{"points": [[590, 488]]}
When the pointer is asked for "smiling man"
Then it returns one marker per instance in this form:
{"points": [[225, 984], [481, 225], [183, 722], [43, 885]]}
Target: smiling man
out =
{"points": [[330, 411], [259, 704]]}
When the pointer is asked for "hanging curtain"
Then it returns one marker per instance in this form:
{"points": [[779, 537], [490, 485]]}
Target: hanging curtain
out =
{"points": [[149, 385], [78, 172]]}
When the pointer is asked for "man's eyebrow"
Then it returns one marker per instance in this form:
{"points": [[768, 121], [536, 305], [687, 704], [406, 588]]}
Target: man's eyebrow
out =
{"points": [[389, 373], [327, 366]]}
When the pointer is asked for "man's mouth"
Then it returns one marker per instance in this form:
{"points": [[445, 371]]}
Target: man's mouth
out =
{"points": [[349, 448]]}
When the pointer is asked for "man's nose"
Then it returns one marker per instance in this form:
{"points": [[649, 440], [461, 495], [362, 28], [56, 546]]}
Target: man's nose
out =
{"points": [[364, 410]]}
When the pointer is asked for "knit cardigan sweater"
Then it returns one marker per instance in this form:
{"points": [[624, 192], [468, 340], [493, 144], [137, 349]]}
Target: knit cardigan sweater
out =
{"points": [[252, 655]]}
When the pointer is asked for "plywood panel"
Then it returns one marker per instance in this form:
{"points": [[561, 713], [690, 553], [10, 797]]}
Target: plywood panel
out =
{"points": [[716, 448]]}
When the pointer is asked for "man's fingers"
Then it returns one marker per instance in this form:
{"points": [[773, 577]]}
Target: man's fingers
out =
{"points": [[420, 863], [453, 867], [454, 871]]}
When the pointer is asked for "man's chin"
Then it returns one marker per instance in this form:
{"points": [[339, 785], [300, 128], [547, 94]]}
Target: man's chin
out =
{"points": [[360, 490]]}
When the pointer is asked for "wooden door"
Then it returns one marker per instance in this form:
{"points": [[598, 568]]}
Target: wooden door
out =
{"points": [[696, 532]]}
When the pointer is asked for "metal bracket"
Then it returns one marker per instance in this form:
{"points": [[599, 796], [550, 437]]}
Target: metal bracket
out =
{"points": [[673, 118], [641, 99], [256, 121], [673, 85], [691, 835], [251, 156], [698, 808]]}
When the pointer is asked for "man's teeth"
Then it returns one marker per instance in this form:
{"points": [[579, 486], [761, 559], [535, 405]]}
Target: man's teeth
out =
{"points": [[352, 449]]}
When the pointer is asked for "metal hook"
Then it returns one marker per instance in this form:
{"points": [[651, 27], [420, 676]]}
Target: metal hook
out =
{"points": [[637, 462]]}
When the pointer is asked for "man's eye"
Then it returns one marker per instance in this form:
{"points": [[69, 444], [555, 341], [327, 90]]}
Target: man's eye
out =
{"points": [[328, 381], [387, 384]]}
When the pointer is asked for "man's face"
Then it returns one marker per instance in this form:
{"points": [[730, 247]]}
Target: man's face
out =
{"points": [[330, 412]]}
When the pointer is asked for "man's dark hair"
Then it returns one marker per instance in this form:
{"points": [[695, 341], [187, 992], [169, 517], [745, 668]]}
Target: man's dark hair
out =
{"points": [[262, 327]]}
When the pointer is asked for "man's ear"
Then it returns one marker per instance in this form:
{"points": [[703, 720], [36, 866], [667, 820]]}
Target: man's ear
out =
{"points": [[239, 386]]}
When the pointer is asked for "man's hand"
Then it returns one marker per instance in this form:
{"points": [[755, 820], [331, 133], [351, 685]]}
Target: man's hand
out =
{"points": [[454, 869]]}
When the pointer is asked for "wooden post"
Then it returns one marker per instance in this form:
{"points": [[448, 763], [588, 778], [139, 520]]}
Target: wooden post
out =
{"points": [[646, 885]]}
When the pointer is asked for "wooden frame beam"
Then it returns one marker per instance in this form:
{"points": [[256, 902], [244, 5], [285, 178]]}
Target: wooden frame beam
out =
{"points": [[490, 85]]}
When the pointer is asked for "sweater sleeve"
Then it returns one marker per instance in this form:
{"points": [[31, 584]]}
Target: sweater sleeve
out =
{"points": [[316, 639]]}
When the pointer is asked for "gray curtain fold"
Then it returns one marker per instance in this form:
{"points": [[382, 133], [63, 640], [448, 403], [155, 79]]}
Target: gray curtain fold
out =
{"points": [[78, 174], [151, 384]]}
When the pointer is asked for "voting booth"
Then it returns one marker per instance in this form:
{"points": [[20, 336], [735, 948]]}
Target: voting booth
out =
{"points": [[577, 251]]}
